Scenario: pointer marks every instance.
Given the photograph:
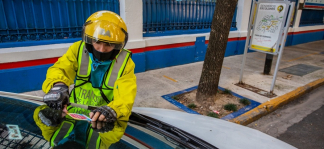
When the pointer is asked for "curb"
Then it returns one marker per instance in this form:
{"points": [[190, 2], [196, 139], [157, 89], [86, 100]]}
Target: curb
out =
{"points": [[269, 106]]}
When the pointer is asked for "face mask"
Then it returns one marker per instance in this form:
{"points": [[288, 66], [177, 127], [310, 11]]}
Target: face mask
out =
{"points": [[101, 56]]}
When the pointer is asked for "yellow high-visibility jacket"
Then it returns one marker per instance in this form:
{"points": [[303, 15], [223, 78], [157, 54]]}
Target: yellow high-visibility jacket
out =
{"points": [[65, 70]]}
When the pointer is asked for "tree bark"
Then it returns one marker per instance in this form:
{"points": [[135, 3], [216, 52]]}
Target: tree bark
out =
{"points": [[221, 24]]}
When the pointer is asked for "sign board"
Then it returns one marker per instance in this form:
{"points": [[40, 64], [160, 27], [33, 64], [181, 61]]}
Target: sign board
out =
{"points": [[314, 4], [268, 31], [268, 26]]}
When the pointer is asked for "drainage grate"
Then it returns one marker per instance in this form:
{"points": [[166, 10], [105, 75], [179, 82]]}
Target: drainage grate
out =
{"points": [[256, 90], [300, 69]]}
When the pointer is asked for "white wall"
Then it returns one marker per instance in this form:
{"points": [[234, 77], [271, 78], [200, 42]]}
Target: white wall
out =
{"points": [[132, 13]]}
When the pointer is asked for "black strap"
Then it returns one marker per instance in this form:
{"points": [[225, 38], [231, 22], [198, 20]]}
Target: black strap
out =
{"points": [[75, 98], [104, 96]]}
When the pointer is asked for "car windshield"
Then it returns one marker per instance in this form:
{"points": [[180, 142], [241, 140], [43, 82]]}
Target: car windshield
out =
{"points": [[19, 130]]}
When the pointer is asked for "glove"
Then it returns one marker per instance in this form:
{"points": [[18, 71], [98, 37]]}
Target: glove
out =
{"points": [[109, 113], [102, 127], [51, 117], [57, 97]]}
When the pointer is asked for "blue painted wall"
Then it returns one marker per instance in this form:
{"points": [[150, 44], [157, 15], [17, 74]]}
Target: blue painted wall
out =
{"points": [[169, 57], [23, 79], [31, 78], [200, 49], [289, 40], [231, 48], [307, 37], [139, 60]]}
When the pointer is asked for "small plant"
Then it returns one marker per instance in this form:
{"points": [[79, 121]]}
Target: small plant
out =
{"points": [[192, 106], [245, 101], [227, 91], [212, 114], [230, 107], [175, 97]]}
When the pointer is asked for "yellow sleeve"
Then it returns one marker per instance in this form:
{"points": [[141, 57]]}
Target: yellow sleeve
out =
{"points": [[47, 131], [125, 89], [64, 70], [114, 135]]}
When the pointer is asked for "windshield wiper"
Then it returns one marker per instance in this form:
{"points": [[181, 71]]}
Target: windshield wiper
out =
{"points": [[171, 132], [180, 132], [170, 135], [146, 119]]}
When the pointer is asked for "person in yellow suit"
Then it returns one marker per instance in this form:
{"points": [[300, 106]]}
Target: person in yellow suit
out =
{"points": [[103, 72]]}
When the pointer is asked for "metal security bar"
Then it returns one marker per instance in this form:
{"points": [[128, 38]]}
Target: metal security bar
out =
{"points": [[311, 17], [174, 17], [32, 20]]}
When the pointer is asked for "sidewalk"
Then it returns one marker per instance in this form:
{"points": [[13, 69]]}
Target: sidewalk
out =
{"points": [[155, 83]]}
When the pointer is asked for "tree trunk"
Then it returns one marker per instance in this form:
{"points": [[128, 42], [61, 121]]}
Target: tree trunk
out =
{"points": [[221, 24]]}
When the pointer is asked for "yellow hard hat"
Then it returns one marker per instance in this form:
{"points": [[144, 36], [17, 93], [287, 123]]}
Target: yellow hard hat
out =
{"points": [[105, 26]]}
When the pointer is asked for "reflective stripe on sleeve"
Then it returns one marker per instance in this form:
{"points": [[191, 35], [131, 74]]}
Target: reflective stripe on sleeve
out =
{"points": [[117, 67]]}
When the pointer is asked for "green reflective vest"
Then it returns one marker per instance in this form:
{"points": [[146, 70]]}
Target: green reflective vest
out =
{"points": [[93, 138], [84, 93]]}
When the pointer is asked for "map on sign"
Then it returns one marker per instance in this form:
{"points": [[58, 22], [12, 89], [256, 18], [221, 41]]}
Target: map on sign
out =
{"points": [[269, 23], [268, 26]]}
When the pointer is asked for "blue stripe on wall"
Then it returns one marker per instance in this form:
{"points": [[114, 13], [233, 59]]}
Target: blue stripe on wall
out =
{"points": [[289, 40], [23, 79], [31, 78], [139, 60], [169, 57], [240, 46], [200, 48], [307, 37], [231, 48]]}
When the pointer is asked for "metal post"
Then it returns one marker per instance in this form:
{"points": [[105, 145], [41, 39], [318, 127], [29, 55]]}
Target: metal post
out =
{"points": [[247, 43], [292, 6], [267, 65]]}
